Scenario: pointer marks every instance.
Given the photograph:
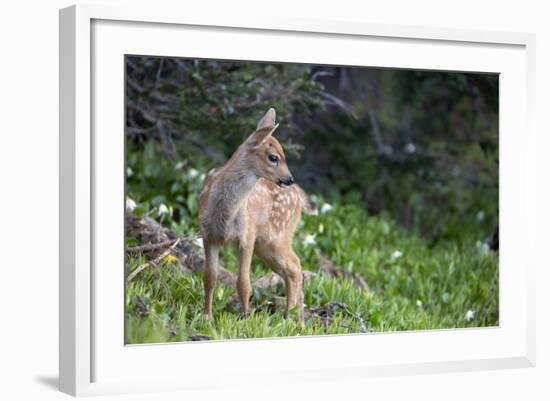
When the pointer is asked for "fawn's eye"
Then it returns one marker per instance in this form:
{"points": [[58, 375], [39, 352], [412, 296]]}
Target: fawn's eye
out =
{"points": [[273, 159]]}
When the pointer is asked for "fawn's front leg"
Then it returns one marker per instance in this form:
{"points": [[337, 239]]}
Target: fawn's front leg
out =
{"points": [[244, 289], [211, 253]]}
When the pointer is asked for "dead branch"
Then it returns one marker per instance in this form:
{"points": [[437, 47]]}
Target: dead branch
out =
{"points": [[153, 262], [148, 247]]}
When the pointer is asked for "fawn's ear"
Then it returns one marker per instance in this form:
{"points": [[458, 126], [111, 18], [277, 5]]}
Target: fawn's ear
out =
{"points": [[260, 135], [268, 120]]}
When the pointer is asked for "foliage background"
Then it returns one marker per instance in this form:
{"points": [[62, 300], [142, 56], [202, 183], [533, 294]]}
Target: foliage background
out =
{"points": [[411, 155]]}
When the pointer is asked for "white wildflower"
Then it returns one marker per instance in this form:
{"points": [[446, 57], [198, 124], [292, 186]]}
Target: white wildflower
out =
{"points": [[163, 209], [326, 208], [396, 255], [419, 303], [309, 240], [129, 172], [130, 204], [198, 242], [470, 315], [315, 212], [410, 148], [192, 173], [321, 228], [482, 247]]}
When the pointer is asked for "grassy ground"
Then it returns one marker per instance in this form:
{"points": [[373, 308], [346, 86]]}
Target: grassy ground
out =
{"points": [[413, 285]]}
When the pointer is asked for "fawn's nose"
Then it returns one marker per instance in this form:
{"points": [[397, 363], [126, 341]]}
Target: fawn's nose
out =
{"points": [[289, 181]]}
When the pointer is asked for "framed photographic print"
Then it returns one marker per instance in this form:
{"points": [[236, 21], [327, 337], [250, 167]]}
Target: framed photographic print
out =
{"points": [[291, 199]]}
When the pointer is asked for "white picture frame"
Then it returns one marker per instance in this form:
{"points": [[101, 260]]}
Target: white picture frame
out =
{"points": [[93, 357]]}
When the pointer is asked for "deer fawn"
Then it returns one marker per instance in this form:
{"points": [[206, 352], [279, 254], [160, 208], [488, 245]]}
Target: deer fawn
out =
{"points": [[251, 202]]}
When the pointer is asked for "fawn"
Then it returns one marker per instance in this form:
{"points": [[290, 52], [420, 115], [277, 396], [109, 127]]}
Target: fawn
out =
{"points": [[251, 202]]}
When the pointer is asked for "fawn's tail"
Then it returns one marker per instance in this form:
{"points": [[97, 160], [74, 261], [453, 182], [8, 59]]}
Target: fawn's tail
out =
{"points": [[308, 207]]}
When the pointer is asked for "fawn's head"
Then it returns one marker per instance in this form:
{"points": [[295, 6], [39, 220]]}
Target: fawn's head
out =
{"points": [[265, 153]]}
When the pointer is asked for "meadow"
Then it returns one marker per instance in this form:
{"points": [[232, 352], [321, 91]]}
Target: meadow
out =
{"points": [[402, 166]]}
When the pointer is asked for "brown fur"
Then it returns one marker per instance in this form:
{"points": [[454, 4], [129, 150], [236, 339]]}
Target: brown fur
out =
{"points": [[242, 203]]}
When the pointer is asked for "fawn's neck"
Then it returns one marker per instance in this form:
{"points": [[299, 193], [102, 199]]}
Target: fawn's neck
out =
{"points": [[237, 180]]}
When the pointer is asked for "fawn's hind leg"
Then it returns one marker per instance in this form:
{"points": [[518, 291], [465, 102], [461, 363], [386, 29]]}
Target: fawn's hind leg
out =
{"points": [[211, 258], [294, 285], [283, 261]]}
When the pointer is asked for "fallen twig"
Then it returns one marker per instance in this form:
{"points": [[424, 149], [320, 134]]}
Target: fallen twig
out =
{"points": [[145, 265], [357, 316], [149, 247]]}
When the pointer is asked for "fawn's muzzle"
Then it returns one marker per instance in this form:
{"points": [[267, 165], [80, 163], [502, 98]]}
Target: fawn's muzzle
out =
{"points": [[289, 181]]}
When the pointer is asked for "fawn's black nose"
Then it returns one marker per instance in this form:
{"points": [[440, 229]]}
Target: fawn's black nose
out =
{"points": [[287, 182]]}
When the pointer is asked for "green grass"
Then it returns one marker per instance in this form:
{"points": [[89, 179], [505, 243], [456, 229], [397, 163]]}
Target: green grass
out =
{"points": [[413, 285]]}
